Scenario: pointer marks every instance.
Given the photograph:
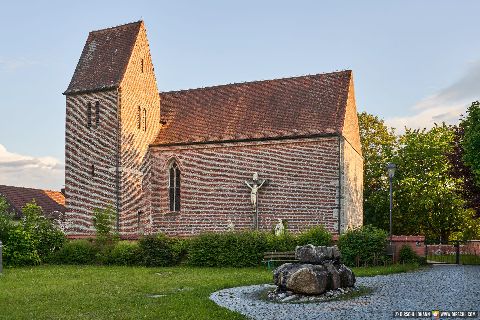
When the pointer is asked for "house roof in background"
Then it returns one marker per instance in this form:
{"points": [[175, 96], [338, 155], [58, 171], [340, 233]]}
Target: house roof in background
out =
{"points": [[104, 58], [290, 107], [52, 202]]}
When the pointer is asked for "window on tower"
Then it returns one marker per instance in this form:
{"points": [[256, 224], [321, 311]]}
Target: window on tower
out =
{"points": [[139, 117], [97, 114], [141, 65], [144, 119], [92, 170], [174, 187], [89, 115]]}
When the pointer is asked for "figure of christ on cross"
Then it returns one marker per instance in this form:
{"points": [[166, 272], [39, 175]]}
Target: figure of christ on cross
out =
{"points": [[254, 187]]}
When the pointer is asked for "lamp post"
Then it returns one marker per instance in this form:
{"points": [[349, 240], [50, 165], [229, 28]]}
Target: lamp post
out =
{"points": [[391, 172]]}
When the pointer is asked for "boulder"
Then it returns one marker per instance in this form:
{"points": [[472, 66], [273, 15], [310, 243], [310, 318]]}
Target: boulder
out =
{"points": [[319, 270], [316, 255]]}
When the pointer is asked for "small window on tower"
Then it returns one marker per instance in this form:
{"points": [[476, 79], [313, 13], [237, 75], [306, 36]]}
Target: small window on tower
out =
{"points": [[97, 114], [89, 115], [139, 117], [92, 170], [144, 119], [142, 65]]}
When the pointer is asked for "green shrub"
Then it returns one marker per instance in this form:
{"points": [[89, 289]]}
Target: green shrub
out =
{"points": [[76, 252], [285, 242], [363, 246], [19, 248], [157, 251], [32, 240], [103, 221], [317, 236], [125, 253], [407, 255], [230, 249], [47, 236]]}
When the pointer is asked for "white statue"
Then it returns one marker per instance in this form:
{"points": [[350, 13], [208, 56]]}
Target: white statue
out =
{"points": [[254, 187], [230, 225], [279, 228]]}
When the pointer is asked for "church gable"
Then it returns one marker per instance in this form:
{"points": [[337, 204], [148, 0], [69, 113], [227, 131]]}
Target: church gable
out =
{"points": [[104, 58], [350, 123]]}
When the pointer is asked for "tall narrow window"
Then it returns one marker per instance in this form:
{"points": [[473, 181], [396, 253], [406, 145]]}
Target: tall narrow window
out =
{"points": [[141, 67], [89, 115], [144, 119], [174, 187], [139, 117], [92, 170], [97, 114]]}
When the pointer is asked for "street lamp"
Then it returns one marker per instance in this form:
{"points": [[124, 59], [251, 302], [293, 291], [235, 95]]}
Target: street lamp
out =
{"points": [[391, 172]]}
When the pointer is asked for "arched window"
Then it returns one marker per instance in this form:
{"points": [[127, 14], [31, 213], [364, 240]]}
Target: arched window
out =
{"points": [[144, 119], [97, 114], [89, 115], [139, 117], [174, 187]]}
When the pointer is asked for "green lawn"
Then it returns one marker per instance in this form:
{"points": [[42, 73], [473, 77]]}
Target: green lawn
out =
{"points": [[96, 292]]}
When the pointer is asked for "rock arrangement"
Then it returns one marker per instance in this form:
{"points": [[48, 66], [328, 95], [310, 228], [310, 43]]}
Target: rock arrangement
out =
{"points": [[319, 270]]}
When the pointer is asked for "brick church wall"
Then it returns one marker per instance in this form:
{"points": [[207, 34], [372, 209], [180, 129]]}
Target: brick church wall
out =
{"points": [[85, 147], [137, 89], [302, 185]]}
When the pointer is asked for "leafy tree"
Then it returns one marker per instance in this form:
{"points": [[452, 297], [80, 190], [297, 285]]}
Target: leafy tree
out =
{"points": [[471, 140], [470, 190], [428, 199], [378, 146]]}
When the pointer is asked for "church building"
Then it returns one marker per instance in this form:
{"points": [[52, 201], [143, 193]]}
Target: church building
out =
{"points": [[237, 156]]}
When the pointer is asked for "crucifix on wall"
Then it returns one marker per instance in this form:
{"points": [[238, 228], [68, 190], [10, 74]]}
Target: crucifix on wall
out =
{"points": [[255, 184]]}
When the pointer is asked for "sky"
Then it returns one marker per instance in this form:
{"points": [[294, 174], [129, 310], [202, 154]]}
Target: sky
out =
{"points": [[414, 62]]}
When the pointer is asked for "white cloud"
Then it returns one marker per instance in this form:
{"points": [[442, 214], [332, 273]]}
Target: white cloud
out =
{"points": [[444, 106], [26, 171]]}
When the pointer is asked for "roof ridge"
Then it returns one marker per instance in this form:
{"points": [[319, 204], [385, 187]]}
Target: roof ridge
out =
{"points": [[118, 26], [255, 81], [4, 185]]}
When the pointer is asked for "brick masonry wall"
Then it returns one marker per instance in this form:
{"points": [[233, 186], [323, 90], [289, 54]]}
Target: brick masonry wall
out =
{"points": [[137, 89], [352, 180], [302, 188], [351, 207], [417, 243], [85, 147]]}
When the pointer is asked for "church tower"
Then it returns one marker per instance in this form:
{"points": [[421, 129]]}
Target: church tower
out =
{"points": [[112, 115]]}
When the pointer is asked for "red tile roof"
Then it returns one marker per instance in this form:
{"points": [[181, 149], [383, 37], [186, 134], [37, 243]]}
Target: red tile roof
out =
{"points": [[104, 58], [291, 107], [51, 202]]}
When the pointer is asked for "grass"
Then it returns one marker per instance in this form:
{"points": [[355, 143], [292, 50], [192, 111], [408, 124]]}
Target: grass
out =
{"points": [[450, 258], [106, 292]]}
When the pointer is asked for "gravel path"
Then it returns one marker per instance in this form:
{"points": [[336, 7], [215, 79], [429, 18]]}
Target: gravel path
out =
{"points": [[441, 287]]}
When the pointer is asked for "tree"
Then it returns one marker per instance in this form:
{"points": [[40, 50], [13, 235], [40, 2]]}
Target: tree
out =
{"points": [[470, 190], [428, 198], [378, 146], [471, 140]]}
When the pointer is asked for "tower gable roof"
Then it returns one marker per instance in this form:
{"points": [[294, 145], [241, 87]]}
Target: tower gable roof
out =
{"points": [[290, 107], [104, 58]]}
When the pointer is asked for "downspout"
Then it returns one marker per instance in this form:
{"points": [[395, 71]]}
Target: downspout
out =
{"points": [[117, 161], [340, 178]]}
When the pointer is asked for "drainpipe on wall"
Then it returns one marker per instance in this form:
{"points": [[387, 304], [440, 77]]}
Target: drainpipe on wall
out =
{"points": [[340, 184], [117, 162]]}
